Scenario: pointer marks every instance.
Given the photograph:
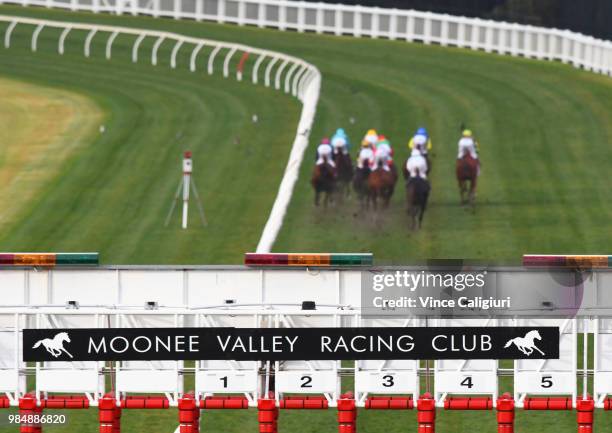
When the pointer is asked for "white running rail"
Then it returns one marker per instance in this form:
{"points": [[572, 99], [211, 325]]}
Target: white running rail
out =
{"points": [[492, 36], [294, 75]]}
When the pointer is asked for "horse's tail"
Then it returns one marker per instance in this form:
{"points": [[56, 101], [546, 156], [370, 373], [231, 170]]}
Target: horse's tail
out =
{"points": [[38, 343], [509, 343]]}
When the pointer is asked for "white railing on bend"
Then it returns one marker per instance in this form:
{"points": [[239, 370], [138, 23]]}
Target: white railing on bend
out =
{"points": [[492, 36], [280, 72]]}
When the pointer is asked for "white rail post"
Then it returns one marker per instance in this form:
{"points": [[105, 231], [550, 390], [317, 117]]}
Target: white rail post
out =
{"points": [[88, 40], [301, 17], [444, 30], [199, 10], [37, 31], [393, 18], [109, 44], [410, 26], [221, 11], [136, 45], [338, 20], [282, 15], [194, 55], [427, 28], [226, 62], [357, 22], [279, 71], [269, 70], [241, 12], [174, 54], [62, 40], [375, 23], [156, 46], [258, 62], [320, 19], [261, 15], [211, 59]]}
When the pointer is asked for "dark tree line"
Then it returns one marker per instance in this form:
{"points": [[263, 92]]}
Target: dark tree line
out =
{"points": [[592, 17]]}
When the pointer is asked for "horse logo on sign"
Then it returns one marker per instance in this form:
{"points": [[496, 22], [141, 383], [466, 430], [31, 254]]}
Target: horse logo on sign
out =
{"points": [[55, 346], [526, 344]]}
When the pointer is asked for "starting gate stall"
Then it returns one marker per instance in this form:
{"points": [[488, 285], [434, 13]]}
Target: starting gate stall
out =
{"points": [[602, 380], [475, 377], [549, 377], [82, 377], [12, 382], [236, 381], [387, 377], [308, 377]]}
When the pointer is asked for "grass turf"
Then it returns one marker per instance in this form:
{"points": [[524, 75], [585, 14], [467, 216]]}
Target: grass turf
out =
{"points": [[545, 186]]}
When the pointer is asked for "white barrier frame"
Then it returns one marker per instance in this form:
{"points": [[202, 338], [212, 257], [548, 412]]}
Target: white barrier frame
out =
{"points": [[519, 374], [362, 374], [208, 319], [602, 377], [441, 391]]}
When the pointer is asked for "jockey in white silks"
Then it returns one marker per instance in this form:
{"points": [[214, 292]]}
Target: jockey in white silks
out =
{"points": [[467, 144], [324, 153], [417, 164], [340, 142], [383, 154], [366, 155]]}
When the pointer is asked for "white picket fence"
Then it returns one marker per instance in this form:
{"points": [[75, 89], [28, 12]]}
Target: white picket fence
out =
{"points": [[491, 36]]}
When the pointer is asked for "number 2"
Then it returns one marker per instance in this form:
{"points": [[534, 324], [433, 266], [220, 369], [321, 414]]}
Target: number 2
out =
{"points": [[306, 380]]}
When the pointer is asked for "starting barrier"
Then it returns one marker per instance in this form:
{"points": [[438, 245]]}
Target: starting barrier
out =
{"points": [[241, 298]]}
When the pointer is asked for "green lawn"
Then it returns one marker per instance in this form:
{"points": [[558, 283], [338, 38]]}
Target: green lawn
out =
{"points": [[544, 129]]}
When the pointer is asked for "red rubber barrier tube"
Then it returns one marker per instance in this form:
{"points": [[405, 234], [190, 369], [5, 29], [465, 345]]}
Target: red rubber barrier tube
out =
{"points": [[426, 414]]}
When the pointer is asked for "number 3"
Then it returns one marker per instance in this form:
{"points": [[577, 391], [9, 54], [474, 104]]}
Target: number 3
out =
{"points": [[388, 381]]}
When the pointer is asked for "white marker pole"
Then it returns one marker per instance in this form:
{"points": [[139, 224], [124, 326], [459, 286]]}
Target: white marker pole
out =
{"points": [[187, 169]]}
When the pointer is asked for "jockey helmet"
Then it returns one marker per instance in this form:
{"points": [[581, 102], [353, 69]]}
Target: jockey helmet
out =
{"points": [[365, 143], [340, 132], [372, 132], [467, 133], [421, 131], [325, 140]]}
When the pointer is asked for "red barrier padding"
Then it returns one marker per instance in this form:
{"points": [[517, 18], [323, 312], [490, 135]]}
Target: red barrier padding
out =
{"points": [[66, 402], [585, 411], [296, 402], [189, 414], [4, 402], [267, 415], [389, 403], [145, 402], [505, 414], [608, 403], [27, 406], [548, 403], [232, 402], [468, 403], [347, 413], [426, 414]]}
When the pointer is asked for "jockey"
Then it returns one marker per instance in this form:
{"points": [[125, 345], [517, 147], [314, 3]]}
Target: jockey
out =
{"points": [[383, 153], [421, 138], [417, 164], [469, 144], [372, 138], [366, 155], [340, 142], [324, 153]]}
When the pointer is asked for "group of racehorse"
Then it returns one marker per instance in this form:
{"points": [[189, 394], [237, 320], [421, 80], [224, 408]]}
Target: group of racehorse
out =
{"points": [[374, 177]]}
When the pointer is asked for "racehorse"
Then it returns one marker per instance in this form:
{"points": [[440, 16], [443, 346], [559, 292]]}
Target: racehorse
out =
{"points": [[381, 183], [467, 171], [417, 194], [360, 184], [323, 180], [344, 167]]}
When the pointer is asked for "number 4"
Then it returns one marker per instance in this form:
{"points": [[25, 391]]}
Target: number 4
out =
{"points": [[467, 382]]}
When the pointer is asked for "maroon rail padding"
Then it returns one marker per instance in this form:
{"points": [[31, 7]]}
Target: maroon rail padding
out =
{"points": [[548, 403], [468, 403], [389, 403]]}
